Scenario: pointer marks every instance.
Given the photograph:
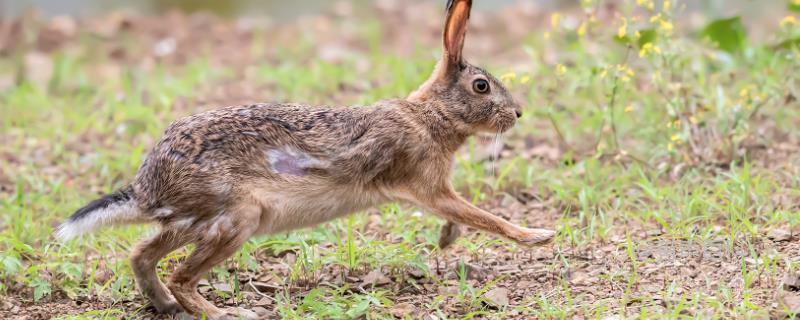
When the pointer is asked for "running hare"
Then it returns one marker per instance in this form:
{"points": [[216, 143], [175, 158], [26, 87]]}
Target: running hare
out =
{"points": [[220, 177]]}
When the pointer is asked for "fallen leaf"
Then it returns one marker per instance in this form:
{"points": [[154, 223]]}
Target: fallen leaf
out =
{"points": [[779, 235], [401, 310], [263, 302], [375, 277], [792, 302], [261, 311], [476, 272], [264, 287], [581, 278], [497, 297], [224, 287], [791, 282]]}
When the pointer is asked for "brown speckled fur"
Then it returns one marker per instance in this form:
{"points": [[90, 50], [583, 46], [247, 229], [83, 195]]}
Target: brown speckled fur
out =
{"points": [[217, 178]]}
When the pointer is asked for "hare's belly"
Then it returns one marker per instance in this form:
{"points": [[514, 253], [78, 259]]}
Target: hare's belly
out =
{"points": [[291, 208]]}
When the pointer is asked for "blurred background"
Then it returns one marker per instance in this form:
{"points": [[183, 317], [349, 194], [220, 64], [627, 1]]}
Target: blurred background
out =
{"points": [[288, 9]]}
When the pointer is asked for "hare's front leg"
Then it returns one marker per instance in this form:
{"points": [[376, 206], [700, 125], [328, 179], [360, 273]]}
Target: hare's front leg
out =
{"points": [[450, 232], [222, 238], [452, 207]]}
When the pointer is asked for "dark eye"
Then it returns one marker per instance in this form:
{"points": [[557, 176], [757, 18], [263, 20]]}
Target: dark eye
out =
{"points": [[480, 86]]}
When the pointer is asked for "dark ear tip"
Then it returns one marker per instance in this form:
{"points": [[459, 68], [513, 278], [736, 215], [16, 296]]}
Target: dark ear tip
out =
{"points": [[450, 4]]}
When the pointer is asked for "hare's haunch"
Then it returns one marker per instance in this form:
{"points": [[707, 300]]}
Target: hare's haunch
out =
{"points": [[219, 177]]}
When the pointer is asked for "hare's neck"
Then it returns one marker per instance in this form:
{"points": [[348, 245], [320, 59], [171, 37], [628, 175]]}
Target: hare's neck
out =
{"points": [[443, 127]]}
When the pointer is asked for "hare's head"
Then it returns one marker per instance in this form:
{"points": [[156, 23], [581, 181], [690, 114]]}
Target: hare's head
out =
{"points": [[467, 94]]}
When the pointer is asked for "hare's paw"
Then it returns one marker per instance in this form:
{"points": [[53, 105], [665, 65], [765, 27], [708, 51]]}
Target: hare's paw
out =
{"points": [[239, 314], [535, 237], [167, 307], [449, 234]]}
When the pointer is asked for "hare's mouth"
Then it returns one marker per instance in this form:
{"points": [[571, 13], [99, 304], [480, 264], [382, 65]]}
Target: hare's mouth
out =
{"points": [[503, 124]]}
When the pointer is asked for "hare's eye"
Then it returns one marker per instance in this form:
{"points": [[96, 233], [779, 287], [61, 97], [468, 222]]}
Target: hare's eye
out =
{"points": [[480, 86]]}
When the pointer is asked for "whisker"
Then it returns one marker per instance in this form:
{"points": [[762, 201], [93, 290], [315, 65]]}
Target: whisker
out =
{"points": [[496, 149]]}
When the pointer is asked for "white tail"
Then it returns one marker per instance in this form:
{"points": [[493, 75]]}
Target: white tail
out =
{"points": [[115, 208]]}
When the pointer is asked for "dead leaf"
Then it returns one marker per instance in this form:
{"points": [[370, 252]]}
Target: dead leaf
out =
{"points": [[263, 302], [792, 302], [224, 287], [402, 310], [497, 297], [261, 311], [416, 273], [375, 278], [544, 151], [581, 278], [264, 287], [791, 282], [476, 272], [779, 235]]}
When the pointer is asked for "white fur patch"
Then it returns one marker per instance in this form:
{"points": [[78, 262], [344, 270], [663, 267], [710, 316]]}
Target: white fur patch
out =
{"points": [[115, 213], [293, 162]]}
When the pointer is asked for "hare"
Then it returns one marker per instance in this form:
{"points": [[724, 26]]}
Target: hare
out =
{"points": [[217, 178]]}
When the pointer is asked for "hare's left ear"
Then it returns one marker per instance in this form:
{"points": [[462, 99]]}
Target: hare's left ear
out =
{"points": [[454, 31]]}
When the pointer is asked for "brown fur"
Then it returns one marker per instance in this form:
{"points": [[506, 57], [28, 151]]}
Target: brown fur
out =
{"points": [[217, 178]]}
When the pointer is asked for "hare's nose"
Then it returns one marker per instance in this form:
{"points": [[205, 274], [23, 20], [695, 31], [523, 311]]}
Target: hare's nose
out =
{"points": [[519, 113]]}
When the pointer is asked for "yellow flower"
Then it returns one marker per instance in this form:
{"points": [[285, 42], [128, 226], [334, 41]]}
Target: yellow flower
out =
{"points": [[675, 138], [623, 30], [669, 147], [555, 20], [789, 21], [647, 49], [666, 26], [744, 93], [693, 119], [629, 109], [655, 18], [525, 79], [797, 2], [646, 4], [582, 29], [604, 73], [627, 70], [561, 69], [667, 5], [547, 34], [656, 76], [508, 77]]}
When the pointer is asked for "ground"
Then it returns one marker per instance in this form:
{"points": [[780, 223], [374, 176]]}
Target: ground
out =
{"points": [[661, 145]]}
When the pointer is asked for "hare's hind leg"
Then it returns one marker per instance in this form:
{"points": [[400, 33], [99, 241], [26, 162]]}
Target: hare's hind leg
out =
{"points": [[143, 261], [224, 235]]}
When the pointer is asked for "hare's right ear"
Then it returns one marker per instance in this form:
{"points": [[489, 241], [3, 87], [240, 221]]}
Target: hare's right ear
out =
{"points": [[454, 31]]}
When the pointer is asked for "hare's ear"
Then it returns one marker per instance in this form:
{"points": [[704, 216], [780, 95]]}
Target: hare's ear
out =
{"points": [[454, 31]]}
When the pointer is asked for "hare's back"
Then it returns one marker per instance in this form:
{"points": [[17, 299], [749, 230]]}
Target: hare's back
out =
{"points": [[209, 154]]}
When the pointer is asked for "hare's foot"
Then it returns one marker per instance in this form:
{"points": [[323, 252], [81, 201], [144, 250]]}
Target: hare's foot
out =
{"points": [[212, 249], [167, 307], [450, 232], [144, 259], [534, 237]]}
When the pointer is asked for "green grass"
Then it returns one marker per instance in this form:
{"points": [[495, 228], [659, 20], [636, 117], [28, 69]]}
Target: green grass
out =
{"points": [[665, 141]]}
